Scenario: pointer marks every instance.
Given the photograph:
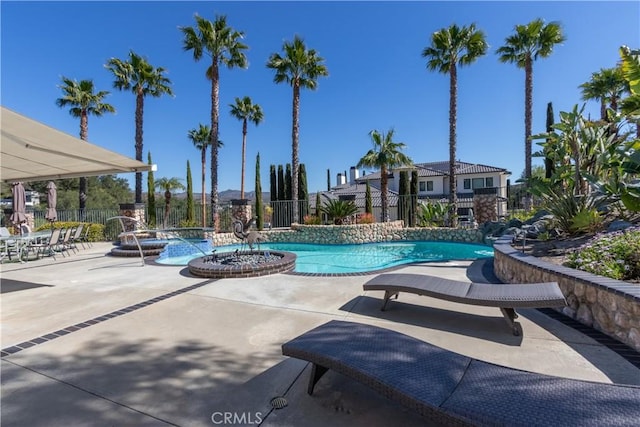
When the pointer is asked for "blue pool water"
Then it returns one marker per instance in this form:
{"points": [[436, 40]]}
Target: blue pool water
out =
{"points": [[312, 258]]}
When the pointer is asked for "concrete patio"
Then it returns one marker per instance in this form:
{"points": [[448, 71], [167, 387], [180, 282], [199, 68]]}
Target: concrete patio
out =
{"points": [[151, 345]]}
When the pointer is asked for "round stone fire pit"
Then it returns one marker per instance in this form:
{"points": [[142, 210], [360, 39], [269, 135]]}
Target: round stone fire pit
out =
{"points": [[242, 264]]}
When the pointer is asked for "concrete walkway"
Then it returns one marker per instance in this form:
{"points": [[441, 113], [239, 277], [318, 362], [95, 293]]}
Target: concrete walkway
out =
{"points": [[106, 341]]}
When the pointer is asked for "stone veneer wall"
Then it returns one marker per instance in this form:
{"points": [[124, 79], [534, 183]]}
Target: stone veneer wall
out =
{"points": [[357, 234], [608, 305]]}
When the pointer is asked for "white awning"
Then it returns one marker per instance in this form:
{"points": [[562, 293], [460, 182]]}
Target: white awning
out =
{"points": [[32, 151]]}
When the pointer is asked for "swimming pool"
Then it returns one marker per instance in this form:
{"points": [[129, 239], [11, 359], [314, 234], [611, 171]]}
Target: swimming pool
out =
{"points": [[328, 259]]}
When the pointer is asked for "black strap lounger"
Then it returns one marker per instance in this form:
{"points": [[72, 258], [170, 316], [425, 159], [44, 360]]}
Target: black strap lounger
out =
{"points": [[507, 297], [452, 389]]}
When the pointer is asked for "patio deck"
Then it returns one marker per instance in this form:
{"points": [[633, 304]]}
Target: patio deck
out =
{"points": [[154, 346]]}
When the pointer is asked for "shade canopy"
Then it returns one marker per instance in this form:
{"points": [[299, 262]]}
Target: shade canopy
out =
{"points": [[32, 151]]}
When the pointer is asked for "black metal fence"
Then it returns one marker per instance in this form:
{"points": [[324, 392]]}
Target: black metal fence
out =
{"points": [[276, 214]]}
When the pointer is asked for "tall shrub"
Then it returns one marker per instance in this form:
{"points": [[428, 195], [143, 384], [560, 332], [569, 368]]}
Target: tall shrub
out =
{"points": [[273, 183], [190, 203], [414, 198], [368, 202], [303, 191], [258, 190], [404, 196], [151, 196]]}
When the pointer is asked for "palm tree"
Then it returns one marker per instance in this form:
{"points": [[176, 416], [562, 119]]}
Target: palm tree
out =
{"points": [[84, 102], [142, 79], [168, 185], [385, 155], [200, 139], [300, 67], [530, 42], [449, 48], [606, 85], [223, 45], [245, 110]]}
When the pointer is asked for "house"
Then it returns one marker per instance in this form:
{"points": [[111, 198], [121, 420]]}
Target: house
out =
{"points": [[433, 184]]}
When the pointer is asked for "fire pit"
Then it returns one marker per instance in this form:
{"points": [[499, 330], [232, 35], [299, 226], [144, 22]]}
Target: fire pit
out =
{"points": [[242, 264]]}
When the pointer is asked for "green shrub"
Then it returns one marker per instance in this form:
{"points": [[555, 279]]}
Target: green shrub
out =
{"points": [[338, 210], [615, 255], [432, 214]]}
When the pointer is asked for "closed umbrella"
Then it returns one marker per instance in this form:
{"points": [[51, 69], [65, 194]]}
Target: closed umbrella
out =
{"points": [[52, 200], [19, 214]]}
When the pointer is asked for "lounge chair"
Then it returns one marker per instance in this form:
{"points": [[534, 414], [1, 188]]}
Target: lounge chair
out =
{"points": [[507, 297], [47, 245], [451, 389], [76, 237]]}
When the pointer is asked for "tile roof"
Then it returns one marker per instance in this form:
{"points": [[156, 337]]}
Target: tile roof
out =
{"points": [[442, 169]]}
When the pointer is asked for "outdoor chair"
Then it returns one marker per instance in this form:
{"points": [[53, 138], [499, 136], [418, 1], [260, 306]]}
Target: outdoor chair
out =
{"points": [[84, 238], [9, 245], [63, 243], [507, 297], [75, 237], [47, 246], [452, 389]]}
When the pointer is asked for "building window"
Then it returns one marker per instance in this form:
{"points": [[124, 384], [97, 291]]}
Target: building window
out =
{"points": [[421, 185], [429, 185], [467, 184], [477, 183], [489, 182]]}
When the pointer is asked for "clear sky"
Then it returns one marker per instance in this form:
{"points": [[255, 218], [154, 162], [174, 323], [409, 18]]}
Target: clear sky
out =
{"points": [[378, 78]]}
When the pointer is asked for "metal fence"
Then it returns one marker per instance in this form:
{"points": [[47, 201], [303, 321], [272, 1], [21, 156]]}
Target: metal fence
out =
{"points": [[276, 214]]}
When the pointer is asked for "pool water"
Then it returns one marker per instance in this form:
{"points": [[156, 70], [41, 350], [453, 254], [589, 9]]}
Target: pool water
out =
{"points": [[313, 258]]}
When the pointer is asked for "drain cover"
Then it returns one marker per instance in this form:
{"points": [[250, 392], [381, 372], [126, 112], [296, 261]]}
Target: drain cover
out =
{"points": [[279, 402]]}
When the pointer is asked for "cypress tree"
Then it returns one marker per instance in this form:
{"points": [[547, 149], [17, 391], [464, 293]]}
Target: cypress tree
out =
{"points": [[273, 183], [414, 198], [287, 183], [190, 203], [318, 203], [258, 190], [548, 163], [303, 191], [281, 188], [278, 208], [328, 180], [403, 193], [368, 203], [151, 196]]}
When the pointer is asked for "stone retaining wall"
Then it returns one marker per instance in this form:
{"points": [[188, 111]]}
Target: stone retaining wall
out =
{"points": [[358, 234], [608, 305]]}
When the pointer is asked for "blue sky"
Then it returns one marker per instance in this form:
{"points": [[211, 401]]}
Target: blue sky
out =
{"points": [[378, 79]]}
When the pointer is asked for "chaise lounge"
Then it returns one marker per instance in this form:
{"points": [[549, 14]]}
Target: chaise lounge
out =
{"points": [[451, 389], [507, 297]]}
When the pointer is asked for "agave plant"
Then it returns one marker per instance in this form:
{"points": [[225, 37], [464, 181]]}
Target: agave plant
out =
{"points": [[432, 214], [338, 210]]}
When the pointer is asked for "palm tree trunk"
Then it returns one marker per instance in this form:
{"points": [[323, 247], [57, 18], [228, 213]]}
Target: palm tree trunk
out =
{"points": [[453, 114], [528, 107], [203, 159], [244, 147], [139, 115], [215, 104], [294, 150], [82, 191], [384, 183]]}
